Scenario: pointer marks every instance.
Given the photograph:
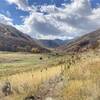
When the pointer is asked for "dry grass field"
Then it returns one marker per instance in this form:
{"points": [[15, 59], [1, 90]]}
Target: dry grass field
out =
{"points": [[27, 83], [25, 72], [83, 78]]}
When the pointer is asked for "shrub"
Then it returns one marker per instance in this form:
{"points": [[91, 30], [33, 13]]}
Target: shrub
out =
{"points": [[7, 89], [41, 58], [35, 50], [30, 98]]}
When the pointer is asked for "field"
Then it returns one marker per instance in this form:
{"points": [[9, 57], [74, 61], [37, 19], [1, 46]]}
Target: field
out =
{"points": [[79, 73], [83, 78], [25, 72]]}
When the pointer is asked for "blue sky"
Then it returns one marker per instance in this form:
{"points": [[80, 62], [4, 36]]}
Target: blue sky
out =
{"points": [[21, 10], [16, 13]]}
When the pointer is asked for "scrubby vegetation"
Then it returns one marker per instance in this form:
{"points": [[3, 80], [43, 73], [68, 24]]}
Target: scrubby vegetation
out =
{"points": [[25, 72], [21, 76], [81, 77]]}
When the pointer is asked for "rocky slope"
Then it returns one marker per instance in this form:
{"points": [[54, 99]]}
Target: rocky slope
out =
{"points": [[12, 39], [88, 41]]}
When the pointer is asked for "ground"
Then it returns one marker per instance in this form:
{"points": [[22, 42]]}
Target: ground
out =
{"points": [[84, 78], [26, 72], [54, 77]]}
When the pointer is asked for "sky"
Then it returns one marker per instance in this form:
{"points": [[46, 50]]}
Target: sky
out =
{"points": [[51, 19]]}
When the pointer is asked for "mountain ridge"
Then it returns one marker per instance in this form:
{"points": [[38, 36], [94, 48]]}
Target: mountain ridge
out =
{"points": [[83, 43], [12, 39], [51, 43]]}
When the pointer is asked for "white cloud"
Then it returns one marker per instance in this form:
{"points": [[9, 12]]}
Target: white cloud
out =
{"points": [[72, 20], [5, 20], [22, 4]]}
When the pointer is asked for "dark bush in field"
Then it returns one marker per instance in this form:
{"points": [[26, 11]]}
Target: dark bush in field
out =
{"points": [[41, 58], [30, 98], [7, 89]]}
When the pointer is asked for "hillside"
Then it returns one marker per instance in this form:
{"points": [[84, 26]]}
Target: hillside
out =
{"points": [[51, 43], [12, 39], [88, 41]]}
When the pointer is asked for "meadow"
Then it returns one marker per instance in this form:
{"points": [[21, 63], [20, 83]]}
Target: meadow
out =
{"points": [[82, 78], [80, 74], [25, 72]]}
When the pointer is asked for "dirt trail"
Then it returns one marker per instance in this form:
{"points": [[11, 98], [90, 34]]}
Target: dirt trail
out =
{"points": [[33, 79], [50, 90]]}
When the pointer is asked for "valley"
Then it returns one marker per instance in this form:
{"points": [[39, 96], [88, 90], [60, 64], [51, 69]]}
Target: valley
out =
{"points": [[33, 69], [49, 49], [25, 72], [74, 77]]}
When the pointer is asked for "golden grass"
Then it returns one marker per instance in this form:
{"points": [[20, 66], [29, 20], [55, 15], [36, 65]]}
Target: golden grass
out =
{"points": [[26, 72], [84, 79], [24, 84], [13, 63]]}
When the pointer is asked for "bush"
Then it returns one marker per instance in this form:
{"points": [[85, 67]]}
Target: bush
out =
{"points": [[7, 89], [35, 50], [41, 58]]}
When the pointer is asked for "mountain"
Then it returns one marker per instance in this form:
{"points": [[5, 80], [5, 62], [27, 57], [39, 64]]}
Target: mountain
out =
{"points": [[84, 43], [51, 43], [12, 39]]}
